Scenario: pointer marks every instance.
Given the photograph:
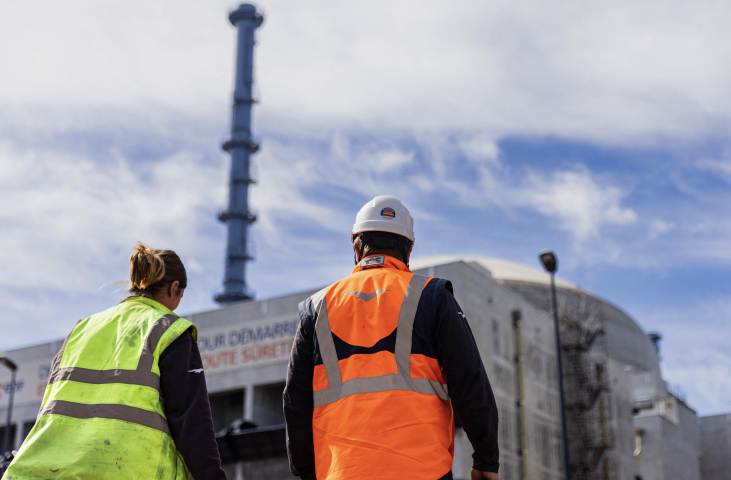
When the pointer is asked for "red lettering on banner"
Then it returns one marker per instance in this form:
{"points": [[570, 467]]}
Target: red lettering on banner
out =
{"points": [[225, 358], [251, 354], [256, 353]]}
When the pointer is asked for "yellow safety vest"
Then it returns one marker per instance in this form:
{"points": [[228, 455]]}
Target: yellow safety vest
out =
{"points": [[102, 416]]}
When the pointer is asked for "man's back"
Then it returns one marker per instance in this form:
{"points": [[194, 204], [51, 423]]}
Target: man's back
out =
{"points": [[366, 390]]}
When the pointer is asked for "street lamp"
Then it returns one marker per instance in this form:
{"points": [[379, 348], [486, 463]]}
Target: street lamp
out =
{"points": [[6, 437], [550, 263]]}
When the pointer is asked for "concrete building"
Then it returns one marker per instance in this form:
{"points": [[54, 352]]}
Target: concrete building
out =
{"points": [[715, 433], [624, 422]]}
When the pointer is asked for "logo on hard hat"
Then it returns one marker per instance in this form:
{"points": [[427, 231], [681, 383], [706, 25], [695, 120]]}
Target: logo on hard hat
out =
{"points": [[388, 212]]}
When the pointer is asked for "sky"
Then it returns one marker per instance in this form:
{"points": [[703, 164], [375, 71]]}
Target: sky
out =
{"points": [[601, 131]]}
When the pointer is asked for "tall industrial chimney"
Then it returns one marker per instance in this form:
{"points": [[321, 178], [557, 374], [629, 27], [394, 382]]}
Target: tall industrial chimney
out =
{"points": [[241, 146]]}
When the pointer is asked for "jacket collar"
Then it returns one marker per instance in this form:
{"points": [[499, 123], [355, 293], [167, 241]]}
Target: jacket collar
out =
{"points": [[148, 301], [381, 261]]}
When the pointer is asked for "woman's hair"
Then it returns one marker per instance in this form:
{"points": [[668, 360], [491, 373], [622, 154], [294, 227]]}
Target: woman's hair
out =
{"points": [[151, 271]]}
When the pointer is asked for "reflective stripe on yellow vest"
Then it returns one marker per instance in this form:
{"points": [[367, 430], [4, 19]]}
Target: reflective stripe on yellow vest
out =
{"points": [[371, 419], [102, 415]]}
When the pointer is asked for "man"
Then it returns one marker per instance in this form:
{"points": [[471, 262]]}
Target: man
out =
{"points": [[376, 360]]}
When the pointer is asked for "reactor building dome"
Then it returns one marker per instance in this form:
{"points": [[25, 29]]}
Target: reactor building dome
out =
{"points": [[622, 337]]}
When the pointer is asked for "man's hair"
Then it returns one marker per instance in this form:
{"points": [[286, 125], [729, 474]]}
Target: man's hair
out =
{"points": [[383, 243]]}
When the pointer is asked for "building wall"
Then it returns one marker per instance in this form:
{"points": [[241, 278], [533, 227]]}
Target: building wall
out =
{"points": [[715, 433], [489, 307], [681, 444], [670, 441], [34, 366], [650, 460], [623, 339], [624, 430], [245, 348]]}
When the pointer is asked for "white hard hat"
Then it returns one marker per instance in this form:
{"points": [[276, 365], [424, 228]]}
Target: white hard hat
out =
{"points": [[385, 214]]}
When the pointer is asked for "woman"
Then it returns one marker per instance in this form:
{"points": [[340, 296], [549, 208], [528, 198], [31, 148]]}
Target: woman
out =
{"points": [[126, 398]]}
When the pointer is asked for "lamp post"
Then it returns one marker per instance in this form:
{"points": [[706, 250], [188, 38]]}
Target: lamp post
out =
{"points": [[550, 263], [6, 437]]}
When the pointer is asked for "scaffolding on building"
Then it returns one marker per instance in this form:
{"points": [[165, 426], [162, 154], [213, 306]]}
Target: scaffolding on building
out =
{"points": [[585, 382]]}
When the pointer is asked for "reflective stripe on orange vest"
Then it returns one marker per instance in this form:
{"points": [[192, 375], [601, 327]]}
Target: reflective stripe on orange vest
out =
{"points": [[400, 381]]}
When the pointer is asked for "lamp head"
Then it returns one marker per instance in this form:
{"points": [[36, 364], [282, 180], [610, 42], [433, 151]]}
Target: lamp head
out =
{"points": [[549, 261], [8, 363]]}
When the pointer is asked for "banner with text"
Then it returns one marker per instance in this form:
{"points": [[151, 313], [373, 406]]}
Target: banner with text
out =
{"points": [[30, 383], [250, 344]]}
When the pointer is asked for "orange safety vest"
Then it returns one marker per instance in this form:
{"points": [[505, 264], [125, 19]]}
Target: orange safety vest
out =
{"points": [[382, 412]]}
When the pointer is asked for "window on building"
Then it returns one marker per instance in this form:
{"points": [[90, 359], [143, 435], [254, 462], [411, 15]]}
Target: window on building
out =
{"points": [[268, 405], [496, 340], [639, 405], [11, 441], [599, 370], [27, 427], [226, 407]]}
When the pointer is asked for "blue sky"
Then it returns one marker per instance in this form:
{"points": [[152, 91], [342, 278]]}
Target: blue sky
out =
{"points": [[602, 132]]}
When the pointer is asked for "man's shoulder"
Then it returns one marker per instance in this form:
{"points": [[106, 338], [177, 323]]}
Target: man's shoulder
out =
{"points": [[436, 287], [313, 299], [307, 309]]}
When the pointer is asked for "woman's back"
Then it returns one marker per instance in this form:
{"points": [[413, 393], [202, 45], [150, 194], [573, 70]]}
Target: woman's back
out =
{"points": [[103, 415], [102, 410]]}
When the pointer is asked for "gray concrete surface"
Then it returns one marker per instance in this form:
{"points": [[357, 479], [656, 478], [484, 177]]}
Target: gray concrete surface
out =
{"points": [[715, 433]]}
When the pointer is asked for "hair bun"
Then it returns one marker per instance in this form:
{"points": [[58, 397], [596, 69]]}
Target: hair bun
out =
{"points": [[146, 267]]}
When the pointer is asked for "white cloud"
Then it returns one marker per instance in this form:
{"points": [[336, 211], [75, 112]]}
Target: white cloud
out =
{"points": [[69, 222], [722, 166], [694, 350], [579, 203], [583, 204], [658, 227], [390, 159], [480, 148], [620, 72]]}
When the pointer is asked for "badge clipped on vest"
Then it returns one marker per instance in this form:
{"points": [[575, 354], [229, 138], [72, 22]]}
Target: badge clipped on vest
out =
{"points": [[371, 261]]}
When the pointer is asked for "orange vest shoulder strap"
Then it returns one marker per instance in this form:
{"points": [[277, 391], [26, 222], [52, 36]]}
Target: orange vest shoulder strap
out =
{"points": [[401, 381]]}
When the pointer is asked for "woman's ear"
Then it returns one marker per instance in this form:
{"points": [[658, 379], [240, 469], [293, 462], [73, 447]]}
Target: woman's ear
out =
{"points": [[174, 290]]}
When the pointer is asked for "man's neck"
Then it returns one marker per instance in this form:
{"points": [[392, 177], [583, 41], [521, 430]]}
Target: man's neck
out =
{"points": [[380, 261]]}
